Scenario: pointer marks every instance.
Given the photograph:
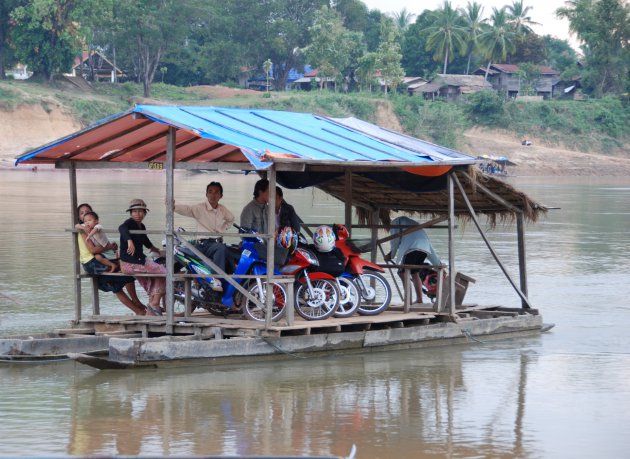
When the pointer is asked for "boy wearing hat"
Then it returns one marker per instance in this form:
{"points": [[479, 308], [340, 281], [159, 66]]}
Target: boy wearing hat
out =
{"points": [[133, 259]]}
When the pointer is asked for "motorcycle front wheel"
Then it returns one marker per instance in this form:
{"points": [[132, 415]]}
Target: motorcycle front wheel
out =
{"points": [[259, 290], [350, 298], [320, 303], [376, 293]]}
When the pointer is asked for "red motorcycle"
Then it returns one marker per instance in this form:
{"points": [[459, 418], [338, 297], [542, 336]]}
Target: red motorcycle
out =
{"points": [[317, 295], [376, 293]]}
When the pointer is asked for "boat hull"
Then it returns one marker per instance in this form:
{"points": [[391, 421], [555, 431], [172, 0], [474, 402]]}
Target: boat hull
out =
{"points": [[125, 353]]}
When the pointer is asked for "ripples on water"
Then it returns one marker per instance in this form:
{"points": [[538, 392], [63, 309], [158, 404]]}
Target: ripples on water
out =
{"points": [[564, 394]]}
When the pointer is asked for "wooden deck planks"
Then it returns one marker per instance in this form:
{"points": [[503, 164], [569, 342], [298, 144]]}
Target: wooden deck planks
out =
{"points": [[205, 324]]}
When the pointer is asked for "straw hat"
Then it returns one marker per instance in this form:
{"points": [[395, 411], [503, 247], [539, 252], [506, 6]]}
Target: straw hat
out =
{"points": [[137, 204]]}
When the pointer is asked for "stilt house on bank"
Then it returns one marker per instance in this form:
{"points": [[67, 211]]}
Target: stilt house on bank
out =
{"points": [[450, 87], [506, 79]]}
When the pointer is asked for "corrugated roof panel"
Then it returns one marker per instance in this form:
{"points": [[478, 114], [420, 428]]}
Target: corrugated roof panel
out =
{"points": [[435, 152], [236, 135], [300, 134]]}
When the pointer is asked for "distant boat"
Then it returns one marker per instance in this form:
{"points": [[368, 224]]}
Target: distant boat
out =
{"points": [[495, 165]]}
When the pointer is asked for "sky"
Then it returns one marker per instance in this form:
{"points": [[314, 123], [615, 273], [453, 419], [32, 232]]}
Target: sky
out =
{"points": [[542, 11]]}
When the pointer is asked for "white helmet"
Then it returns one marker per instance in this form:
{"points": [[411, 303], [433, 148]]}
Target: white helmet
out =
{"points": [[324, 238]]}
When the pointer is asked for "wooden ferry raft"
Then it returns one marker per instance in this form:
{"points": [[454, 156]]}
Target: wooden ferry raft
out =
{"points": [[375, 173], [205, 339]]}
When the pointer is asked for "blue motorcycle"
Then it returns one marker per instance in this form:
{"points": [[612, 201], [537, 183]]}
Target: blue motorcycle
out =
{"points": [[231, 301]]}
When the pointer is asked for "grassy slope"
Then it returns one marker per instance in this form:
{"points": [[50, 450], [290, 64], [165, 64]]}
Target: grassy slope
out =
{"points": [[586, 126]]}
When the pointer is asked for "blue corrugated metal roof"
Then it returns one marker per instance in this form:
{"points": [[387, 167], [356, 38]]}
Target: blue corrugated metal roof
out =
{"points": [[303, 135], [260, 135]]}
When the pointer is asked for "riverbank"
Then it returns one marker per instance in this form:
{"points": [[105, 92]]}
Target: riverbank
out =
{"points": [[31, 125], [542, 159]]}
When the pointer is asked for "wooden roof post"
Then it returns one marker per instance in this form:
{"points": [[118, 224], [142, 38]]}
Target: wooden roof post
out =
{"points": [[451, 245], [522, 267], [348, 201], [170, 167], [374, 214], [271, 243], [74, 217], [494, 254]]}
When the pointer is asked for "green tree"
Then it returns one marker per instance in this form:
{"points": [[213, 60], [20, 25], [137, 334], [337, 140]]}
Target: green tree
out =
{"points": [[354, 14], [226, 37], [149, 29], [372, 31], [603, 27], [529, 76], [366, 70], [528, 48], [474, 22], [331, 45], [357, 49], [97, 29], [416, 60], [560, 55], [7, 54], [519, 17], [497, 40], [45, 36], [285, 23], [402, 20], [389, 56], [447, 35]]}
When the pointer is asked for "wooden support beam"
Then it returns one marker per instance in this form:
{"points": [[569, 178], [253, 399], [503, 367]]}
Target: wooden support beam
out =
{"points": [[271, 229], [475, 220], [407, 289], [451, 243], [413, 229], [96, 306], [492, 195], [170, 261], [76, 268], [522, 255], [348, 200], [205, 166], [187, 298]]}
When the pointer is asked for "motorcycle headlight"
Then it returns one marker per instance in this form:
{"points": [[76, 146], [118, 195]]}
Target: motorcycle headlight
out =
{"points": [[310, 257]]}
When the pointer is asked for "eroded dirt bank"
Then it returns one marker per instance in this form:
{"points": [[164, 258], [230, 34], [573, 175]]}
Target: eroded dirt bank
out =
{"points": [[31, 125]]}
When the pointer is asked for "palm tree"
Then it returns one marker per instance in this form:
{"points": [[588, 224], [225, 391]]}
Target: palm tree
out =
{"points": [[446, 35], [518, 17], [474, 26], [576, 12], [402, 19], [498, 39]]}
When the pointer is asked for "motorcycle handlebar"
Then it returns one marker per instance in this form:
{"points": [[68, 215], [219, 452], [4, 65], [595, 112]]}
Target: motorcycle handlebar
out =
{"points": [[242, 229]]}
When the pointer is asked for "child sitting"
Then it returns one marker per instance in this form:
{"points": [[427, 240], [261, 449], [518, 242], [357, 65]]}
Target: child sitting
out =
{"points": [[95, 233]]}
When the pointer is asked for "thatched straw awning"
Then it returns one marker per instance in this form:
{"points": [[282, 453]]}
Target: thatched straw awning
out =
{"points": [[368, 195]]}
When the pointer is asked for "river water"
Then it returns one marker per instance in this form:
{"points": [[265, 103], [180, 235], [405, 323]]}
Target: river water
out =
{"points": [[565, 394]]}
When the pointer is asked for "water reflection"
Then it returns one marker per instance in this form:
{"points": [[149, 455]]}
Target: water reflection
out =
{"points": [[562, 395], [403, 404]]}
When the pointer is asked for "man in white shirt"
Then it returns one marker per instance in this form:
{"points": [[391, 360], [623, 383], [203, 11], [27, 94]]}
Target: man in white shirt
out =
{"points": [[211, 217]]}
